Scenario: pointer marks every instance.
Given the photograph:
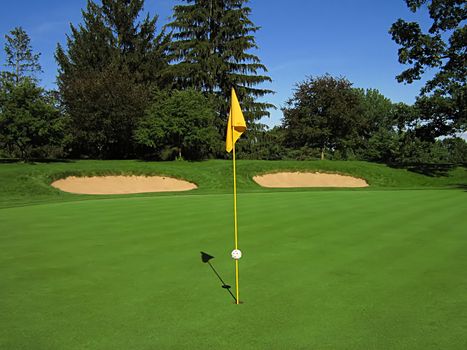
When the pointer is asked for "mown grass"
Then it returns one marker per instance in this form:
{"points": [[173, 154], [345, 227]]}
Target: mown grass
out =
{"points": [[321, 270], [375, 268], [22, 184]]}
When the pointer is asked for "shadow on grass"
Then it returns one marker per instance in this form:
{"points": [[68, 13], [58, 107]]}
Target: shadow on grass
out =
{"points": [[8, 160], [34, 160], [205, 258], [154, 160], [432, 170]]}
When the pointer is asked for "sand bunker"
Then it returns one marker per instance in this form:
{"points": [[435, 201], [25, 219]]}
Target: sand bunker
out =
{"points": [[296, 179], [121, 184]]}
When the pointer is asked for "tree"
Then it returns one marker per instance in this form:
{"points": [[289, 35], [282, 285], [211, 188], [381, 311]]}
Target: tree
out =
{"points": [[377, 131], [262, 143], [376, 110], [405, 117], [179, 122], [443, 48], [28, 119], [457, 150], [211, 51], [323, 113], [19, 56], [382, 146], [112, 62], [436, 116]]}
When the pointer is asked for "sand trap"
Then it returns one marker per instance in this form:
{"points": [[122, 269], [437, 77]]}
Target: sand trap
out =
{"points": [[121, 184], [296, 179]]}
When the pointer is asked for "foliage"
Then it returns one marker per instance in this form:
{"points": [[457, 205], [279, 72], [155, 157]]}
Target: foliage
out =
{"points": [[112, 62], [183, 122], [29, 120], [19, 56], [106, 107], [260, 143], [376, 111], [443, 48], [212, 52], [324, 113], [365, 125], [438, 116], [381, 146], [377, 126], [456, 149]]}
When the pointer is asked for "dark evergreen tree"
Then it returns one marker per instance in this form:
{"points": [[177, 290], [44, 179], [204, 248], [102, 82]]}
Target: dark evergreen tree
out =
{"points": [[20, 59], [212, 52], [112, 62]]}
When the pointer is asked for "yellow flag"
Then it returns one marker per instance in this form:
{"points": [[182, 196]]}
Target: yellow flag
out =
{"points": [[236, 125]]}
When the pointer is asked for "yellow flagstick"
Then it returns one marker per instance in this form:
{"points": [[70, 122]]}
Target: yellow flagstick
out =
{"points": [[235, 219], [235, 127]]}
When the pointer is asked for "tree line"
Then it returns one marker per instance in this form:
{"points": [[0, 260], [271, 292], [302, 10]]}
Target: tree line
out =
{"points": [[127, 89], [328, 118]]}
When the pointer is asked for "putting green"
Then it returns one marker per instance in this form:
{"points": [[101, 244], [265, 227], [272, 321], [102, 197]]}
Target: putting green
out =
{"points": [[321, 270]]}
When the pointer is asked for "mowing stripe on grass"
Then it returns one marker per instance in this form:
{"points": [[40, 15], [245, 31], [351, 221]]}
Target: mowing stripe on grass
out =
{"points": [[323, 269]]}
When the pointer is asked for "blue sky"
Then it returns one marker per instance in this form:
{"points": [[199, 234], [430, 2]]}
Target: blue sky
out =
{"points": [[298, 38]]}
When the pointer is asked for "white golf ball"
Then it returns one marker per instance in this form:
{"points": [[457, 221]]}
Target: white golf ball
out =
{"points": [[236, 254]]}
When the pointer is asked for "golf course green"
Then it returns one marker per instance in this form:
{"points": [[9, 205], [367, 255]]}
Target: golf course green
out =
{"points": [[382, 267]]}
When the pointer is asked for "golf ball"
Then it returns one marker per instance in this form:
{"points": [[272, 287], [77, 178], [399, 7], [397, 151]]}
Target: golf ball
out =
{"points": [[236, 254]]}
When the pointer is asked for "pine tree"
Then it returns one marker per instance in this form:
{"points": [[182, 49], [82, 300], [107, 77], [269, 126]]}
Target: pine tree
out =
{"points": [[212, 52], [19, 56], [111, 64]]}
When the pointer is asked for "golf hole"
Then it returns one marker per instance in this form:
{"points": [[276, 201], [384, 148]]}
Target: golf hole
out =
{"points": [[306, 179], [121, 184]]}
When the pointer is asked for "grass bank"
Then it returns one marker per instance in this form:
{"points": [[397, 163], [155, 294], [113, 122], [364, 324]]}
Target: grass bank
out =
{"points": [[23, 184]]}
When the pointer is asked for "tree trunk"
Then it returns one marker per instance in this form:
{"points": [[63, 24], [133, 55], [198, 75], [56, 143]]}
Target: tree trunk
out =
{"points": [[322, 153], [179, 147], [17, 68], [24, 153]]}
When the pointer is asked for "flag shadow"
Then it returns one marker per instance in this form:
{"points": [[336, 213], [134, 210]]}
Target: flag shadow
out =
{"points": [[205, 258]]}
